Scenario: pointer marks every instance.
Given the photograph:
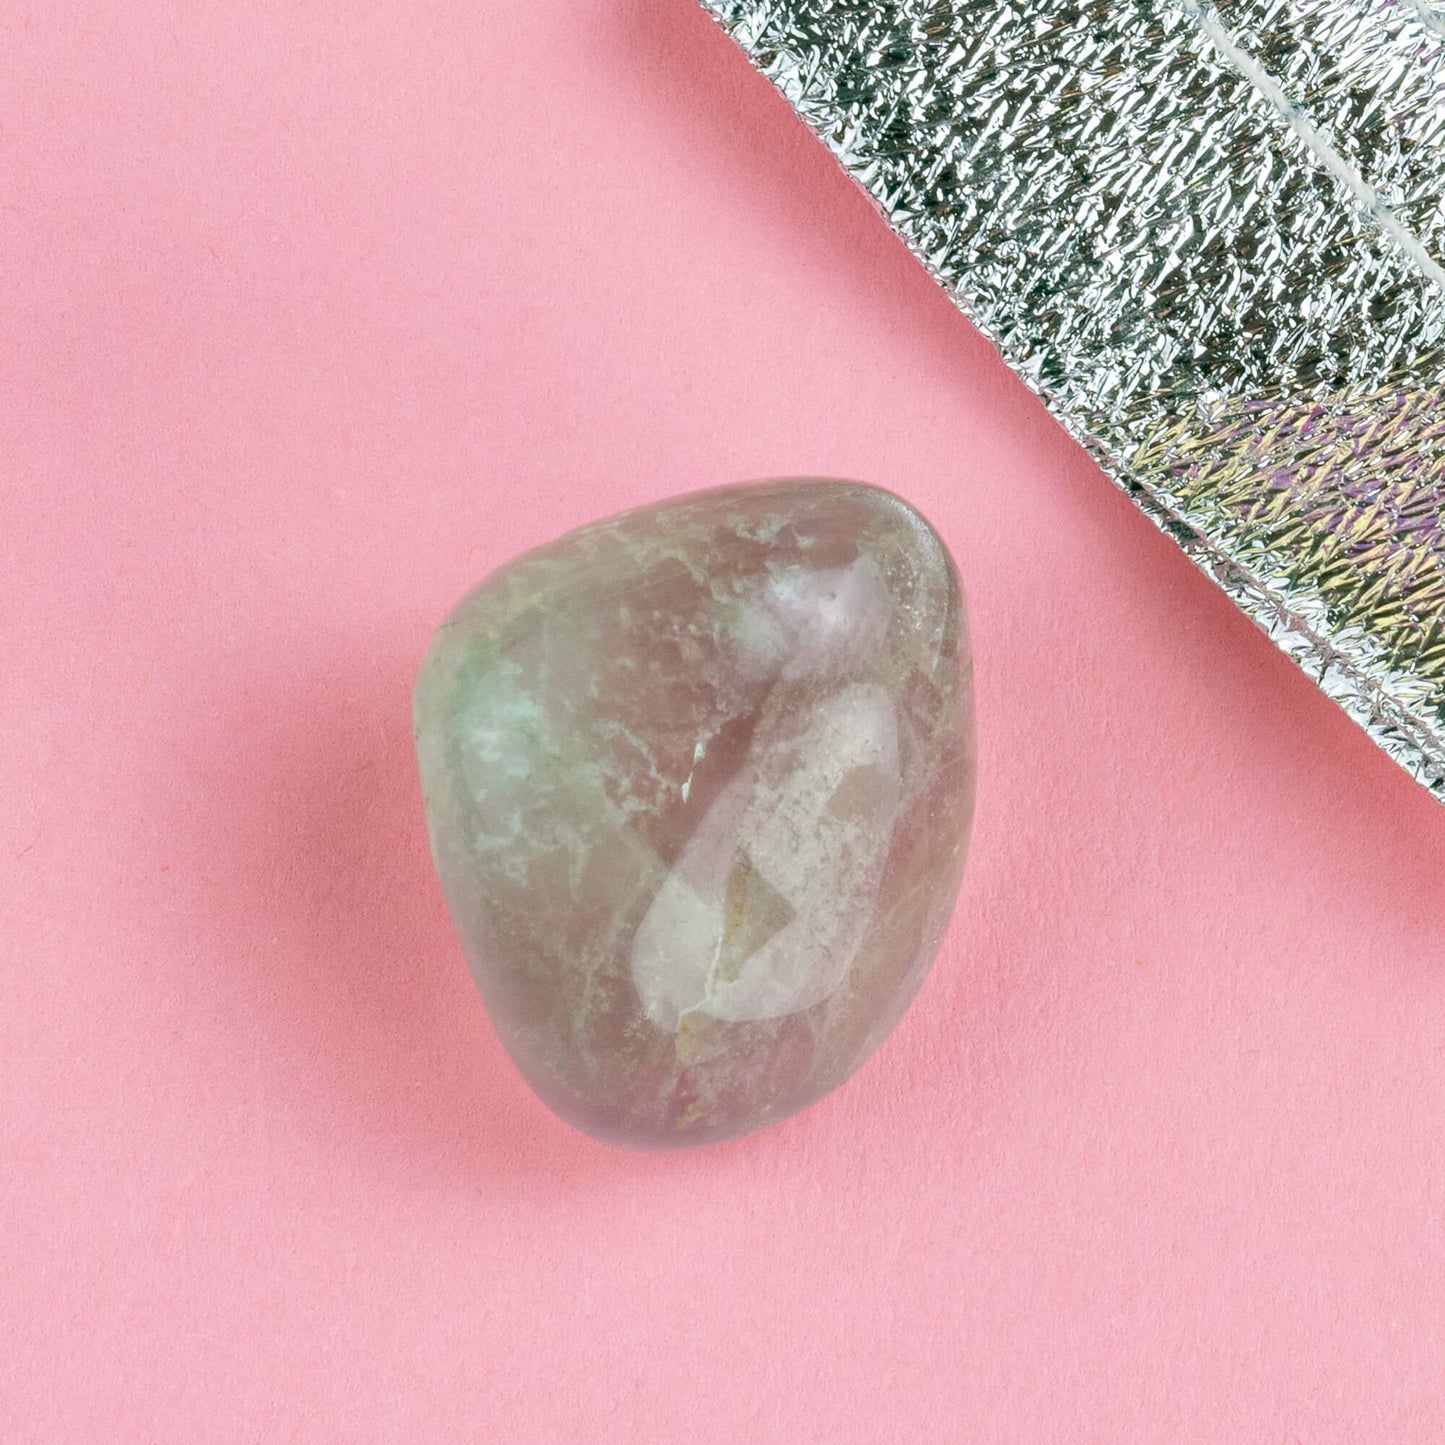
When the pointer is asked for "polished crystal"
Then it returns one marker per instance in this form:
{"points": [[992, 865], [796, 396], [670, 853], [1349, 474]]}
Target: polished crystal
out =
{"points": [[699, 781]]}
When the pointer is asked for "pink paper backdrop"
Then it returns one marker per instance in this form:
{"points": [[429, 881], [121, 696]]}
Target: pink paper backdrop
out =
{"points": [[310, 314]]}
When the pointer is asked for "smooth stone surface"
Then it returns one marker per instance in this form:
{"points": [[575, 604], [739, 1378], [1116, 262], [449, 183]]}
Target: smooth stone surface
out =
{"points": [[699, 781]]}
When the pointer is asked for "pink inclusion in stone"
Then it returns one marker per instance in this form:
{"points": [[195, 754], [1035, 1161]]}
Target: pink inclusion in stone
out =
{"points": [[699, 781]]}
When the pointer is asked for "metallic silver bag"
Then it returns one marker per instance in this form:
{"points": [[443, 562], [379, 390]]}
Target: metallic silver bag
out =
{"points": [[1211, 237]]}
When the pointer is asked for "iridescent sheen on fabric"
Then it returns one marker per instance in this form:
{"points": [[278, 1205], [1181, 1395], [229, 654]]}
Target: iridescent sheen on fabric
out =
{"points": [[1211, 237]]}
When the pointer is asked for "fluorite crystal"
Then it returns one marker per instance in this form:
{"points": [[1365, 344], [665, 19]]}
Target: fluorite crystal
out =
{"points": [[699, 781]]}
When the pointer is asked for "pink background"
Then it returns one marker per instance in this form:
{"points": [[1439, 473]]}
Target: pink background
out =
{"points": [[309, 315]]}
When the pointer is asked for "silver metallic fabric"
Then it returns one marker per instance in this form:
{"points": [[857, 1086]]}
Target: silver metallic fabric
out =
{"points": [[1211, 237]]}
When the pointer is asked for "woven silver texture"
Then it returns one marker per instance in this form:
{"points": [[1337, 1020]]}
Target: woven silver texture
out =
{"points": [[1211, 237]]}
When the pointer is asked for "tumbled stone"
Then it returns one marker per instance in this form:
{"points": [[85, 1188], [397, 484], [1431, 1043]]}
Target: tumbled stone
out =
{"points": [[699, 781]]}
